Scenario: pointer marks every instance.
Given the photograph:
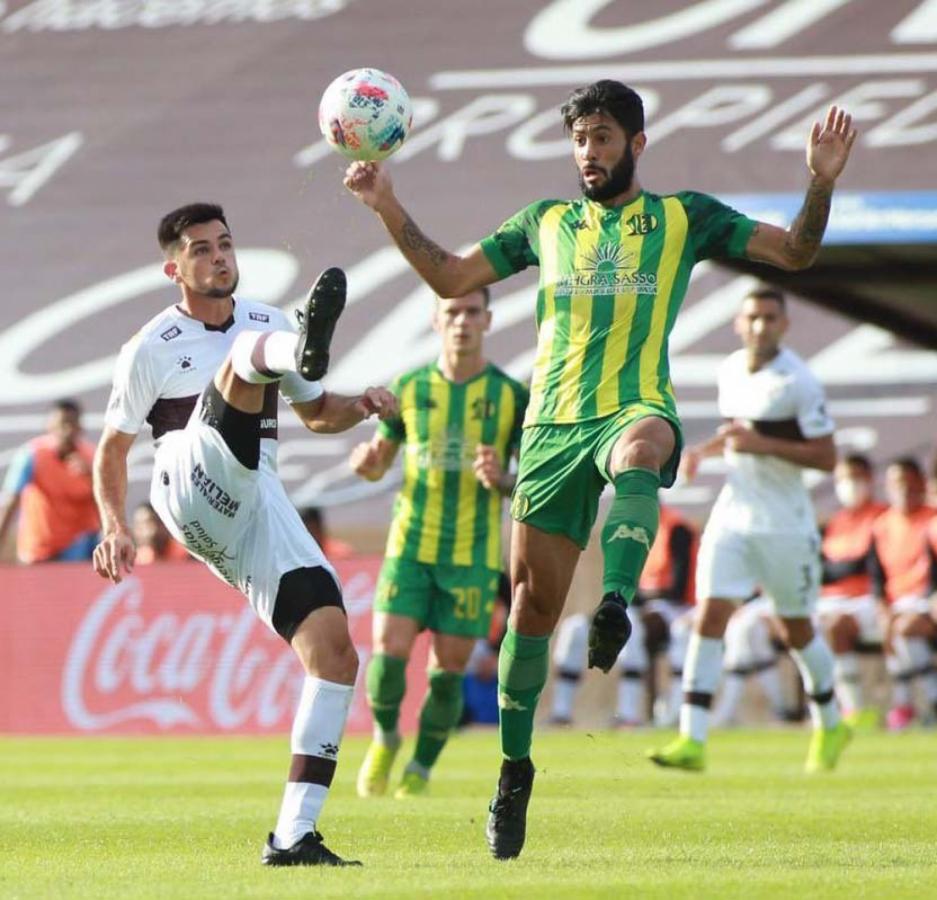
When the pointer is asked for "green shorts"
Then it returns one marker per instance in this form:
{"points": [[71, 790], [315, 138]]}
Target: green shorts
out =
{"points": [[445, 599], [563, 469]]}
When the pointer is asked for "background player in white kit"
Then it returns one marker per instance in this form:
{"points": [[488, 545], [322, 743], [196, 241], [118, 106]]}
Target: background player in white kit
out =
{"points": [[205, 375], [762, 531]]}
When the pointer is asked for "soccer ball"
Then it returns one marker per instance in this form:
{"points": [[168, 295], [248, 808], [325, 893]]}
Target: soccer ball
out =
{"points": [[365, 114]]}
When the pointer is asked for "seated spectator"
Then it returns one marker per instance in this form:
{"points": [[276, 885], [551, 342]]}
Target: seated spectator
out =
{"points": [[153, 540], [659, 616], [901, 564], [751, 642], [847, 610], [49, 483], [314, 520]]}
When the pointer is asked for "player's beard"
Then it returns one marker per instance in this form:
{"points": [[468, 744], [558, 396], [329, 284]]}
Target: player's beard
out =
{"points": [[619, 180], [219, 293]]}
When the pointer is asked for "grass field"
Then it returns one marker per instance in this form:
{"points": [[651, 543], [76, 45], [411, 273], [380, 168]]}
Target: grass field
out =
{"points": [[186, 818]]}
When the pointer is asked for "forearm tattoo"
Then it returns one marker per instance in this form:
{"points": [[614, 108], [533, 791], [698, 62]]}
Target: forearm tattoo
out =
{"points": [[415, 241], [805, 235]]}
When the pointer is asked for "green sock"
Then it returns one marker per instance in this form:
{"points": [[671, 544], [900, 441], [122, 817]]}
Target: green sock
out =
{"points": [[629, 530], [442, 709], [522, 672], [386, 684]]}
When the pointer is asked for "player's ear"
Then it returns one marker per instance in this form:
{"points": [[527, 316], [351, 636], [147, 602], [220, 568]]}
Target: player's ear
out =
{"points": [[171, 270], [638, 143]]}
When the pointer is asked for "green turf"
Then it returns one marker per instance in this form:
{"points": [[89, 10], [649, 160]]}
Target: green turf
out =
{"points": [[186, 818]]}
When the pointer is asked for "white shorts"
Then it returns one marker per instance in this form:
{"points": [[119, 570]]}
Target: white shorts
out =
{"points": [[784, 566], [863, 609], [911, 603], [238, 521]]}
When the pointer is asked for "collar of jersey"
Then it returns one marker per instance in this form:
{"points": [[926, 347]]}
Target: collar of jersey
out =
{"points": [[478, 375], [224, 326], [606, 212]]}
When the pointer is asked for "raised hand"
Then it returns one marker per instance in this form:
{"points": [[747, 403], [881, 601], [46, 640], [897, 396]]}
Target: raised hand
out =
{"points": [[829, 144], [369, 182], [377, 401]]}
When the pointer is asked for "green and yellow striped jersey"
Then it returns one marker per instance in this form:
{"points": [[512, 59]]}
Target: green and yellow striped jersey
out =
{"points": [[442, 514], [611, 284]]}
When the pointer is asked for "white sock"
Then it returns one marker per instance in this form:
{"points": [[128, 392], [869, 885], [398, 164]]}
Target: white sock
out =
{"points": [[921, 658], [675, 694], [564, 696], [733, 686], [259, 357], [815, 662], [630, 695], [900, 682], [770, 681], [317, 733], [846, 678], [701, 671], [634, 654]]}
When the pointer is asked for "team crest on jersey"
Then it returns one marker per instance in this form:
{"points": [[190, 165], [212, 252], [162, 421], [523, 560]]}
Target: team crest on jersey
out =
{"points": [[483, 409], [642, 223], [258, 317], [171, 333]]}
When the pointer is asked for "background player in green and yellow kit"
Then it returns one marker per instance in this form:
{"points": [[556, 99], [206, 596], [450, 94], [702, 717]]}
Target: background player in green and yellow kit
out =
{"points": [[459, 422], [614, 268]]}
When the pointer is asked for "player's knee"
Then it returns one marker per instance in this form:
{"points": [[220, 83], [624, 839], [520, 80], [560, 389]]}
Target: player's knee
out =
{"points": [[640, 454]]}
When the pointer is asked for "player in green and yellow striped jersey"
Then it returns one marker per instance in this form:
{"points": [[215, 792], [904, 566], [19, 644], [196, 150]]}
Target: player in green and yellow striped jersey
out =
{"points": [[614, 267], [459, 423]]}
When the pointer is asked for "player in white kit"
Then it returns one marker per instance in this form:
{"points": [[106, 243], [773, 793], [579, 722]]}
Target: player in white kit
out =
{"points": [[762, 531], [205, 375]]}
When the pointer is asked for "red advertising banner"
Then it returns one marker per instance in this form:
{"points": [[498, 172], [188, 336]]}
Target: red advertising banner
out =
{"points": [[171, 649]]}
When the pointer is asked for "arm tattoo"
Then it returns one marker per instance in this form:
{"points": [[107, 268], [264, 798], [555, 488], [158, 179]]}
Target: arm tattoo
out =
{"points": [[415, 241], [806, 233]]}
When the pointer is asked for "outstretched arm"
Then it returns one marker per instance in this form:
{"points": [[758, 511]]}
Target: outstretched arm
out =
{"points": [[115, 554], [827, 152], [331, 413], [812, 453], [691, 457], [448, 274]]}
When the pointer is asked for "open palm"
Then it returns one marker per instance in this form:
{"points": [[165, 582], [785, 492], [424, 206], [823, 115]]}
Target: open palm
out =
{"points": [[829, 144]]}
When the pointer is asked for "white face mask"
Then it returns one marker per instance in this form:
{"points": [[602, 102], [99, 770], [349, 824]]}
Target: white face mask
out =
{"points": [[852, 493]]}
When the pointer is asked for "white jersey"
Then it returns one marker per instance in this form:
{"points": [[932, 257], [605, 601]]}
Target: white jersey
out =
{"points": [[782, 399], [237, 520], [163, 369]]}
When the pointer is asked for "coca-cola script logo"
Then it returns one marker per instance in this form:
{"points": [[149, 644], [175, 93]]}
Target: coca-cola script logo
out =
{"points": [[199, 670]]}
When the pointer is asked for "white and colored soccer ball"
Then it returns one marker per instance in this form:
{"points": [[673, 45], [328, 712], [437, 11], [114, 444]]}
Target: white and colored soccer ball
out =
{"points": [[365, 114]]}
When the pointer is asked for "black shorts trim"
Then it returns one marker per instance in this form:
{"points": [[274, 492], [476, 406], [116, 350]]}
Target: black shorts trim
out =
{"points": [[301, 592], [238, 429]]}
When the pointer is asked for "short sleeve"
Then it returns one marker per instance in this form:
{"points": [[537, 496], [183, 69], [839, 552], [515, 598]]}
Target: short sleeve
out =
{"points": [[812, 416], [393, 429], [716, 231], [20, 472], [134, 391], [513, 247]]}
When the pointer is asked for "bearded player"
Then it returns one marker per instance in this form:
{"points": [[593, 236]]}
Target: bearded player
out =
{"points": [[614, 268]]}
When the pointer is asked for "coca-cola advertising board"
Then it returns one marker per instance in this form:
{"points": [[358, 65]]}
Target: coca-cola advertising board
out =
{"points": [[169, 650]]}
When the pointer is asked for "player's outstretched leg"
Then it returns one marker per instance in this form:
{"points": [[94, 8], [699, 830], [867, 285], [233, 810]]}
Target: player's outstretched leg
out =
{"points": [[627, 536], [260, 357], [317, 323]]}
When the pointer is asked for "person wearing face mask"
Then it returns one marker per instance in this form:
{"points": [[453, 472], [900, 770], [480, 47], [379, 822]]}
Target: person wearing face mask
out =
{"points": [[847, 609], [902, 563]]}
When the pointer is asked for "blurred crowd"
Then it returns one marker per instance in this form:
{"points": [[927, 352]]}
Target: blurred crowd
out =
{"points": [[878, 601]]}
